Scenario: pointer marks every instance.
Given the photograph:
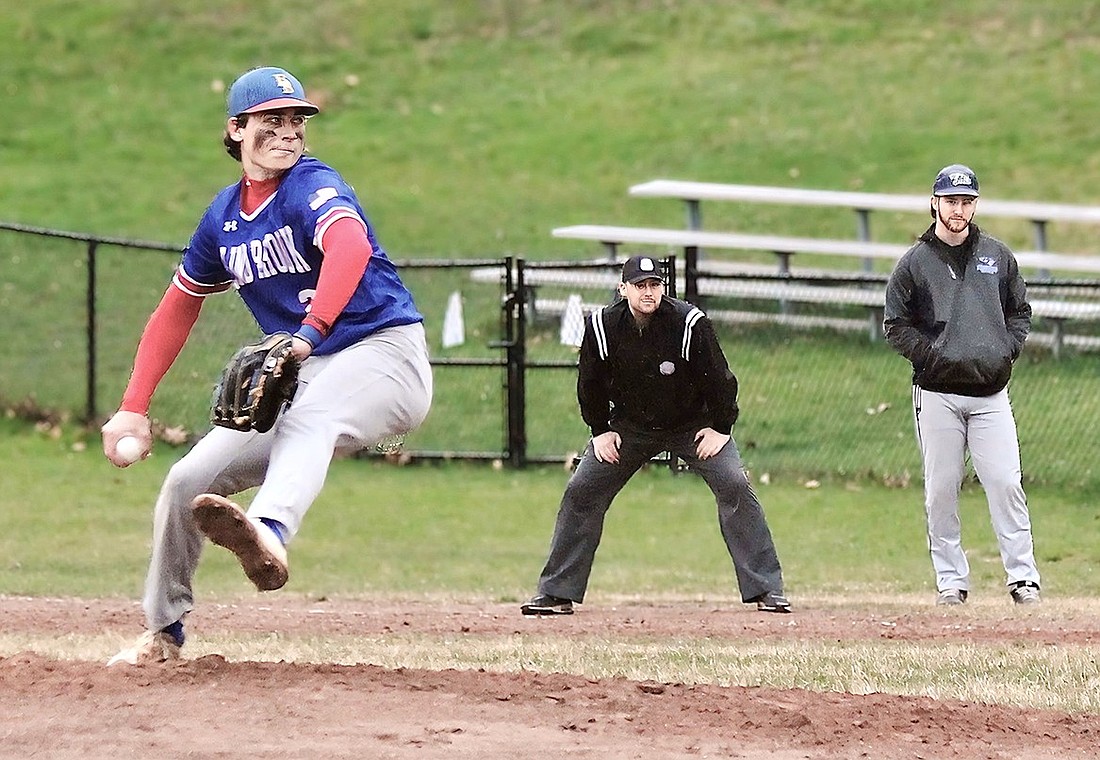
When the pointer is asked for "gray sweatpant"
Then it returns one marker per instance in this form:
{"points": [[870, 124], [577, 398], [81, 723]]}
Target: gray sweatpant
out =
{"points": [[347, 401], [595, 484], [947, 426]]}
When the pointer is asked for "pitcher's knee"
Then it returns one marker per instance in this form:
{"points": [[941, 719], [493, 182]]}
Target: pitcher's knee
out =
{"points": [[183, 483]]}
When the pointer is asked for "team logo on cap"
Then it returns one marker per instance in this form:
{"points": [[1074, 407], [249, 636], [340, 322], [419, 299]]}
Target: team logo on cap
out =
{"points": [[959, 178], [646, 265], [282, 81]]}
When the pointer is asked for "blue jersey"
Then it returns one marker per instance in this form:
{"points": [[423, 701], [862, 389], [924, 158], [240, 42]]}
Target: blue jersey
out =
{"points": [[272, 257]]}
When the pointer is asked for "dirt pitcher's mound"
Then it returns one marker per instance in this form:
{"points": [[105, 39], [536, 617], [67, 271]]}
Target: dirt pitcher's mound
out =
{"points": [[209, 707]]}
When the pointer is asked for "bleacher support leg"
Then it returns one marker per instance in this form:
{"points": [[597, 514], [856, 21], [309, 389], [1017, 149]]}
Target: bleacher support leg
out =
{"points": [[875, 323]]}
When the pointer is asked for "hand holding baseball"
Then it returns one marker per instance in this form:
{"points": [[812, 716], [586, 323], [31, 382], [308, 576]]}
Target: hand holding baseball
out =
{"points": [[129, 449], [127, 438]]}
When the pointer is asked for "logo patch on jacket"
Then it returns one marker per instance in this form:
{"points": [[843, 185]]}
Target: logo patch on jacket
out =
{"points": [[667, 368], [987, 265]]}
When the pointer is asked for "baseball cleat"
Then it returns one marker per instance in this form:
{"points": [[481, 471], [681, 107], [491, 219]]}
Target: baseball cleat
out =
{"points": [[544, 604], [261, 553], [149, 649], [951, 597], [1025, 592], [772, 601]]}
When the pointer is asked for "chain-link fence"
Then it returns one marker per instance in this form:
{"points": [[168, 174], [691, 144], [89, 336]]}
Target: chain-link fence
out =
{"points": [[821, 397], [817, 400]]}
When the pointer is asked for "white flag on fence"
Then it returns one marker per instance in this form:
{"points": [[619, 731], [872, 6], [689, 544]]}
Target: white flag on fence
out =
{"points": [[454, 331], [572, 322]]}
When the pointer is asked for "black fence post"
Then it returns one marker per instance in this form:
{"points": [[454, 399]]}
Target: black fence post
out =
{"points": [[90, 407], [691, 274], [517, 370]]}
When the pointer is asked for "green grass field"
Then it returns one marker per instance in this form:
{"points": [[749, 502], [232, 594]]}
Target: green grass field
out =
{"points": [[472, 127], [76, 526], [73, 526]]}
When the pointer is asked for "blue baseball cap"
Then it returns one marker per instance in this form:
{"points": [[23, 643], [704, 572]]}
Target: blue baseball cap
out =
{"points": [[266, 89], [956, 179]]}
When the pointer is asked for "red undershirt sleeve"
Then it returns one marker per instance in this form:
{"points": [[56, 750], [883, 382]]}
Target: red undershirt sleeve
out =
{"points": [[160, 344], [347, 251]]}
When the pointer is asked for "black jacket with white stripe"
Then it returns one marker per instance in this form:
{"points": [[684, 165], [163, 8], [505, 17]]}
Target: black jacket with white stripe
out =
{"points": [[672, 376]]}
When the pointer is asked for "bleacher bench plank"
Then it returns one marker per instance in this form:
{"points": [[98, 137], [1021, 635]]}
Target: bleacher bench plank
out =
{"points": [[918, 204], [866, 295], [1055, 339], [779, 244], [612, 235]]}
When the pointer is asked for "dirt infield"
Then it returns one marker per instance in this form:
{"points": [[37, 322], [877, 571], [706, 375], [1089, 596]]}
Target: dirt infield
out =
{"points": [[211, 707]]}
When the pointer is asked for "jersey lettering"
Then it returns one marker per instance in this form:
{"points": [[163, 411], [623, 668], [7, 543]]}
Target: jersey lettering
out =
{"points": [[270, 255], [236, 263]]}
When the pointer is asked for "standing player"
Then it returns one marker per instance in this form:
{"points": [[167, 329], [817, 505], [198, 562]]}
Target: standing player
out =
{"points": [[957, 309], [652, 377], [292, 239]]}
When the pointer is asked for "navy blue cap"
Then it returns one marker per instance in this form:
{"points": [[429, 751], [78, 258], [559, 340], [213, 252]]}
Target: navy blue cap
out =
{"points": [[267, 89], [956, 179]]}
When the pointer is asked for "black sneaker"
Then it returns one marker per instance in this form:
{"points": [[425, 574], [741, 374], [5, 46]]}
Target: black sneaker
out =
{"points": [[544, 604], [772, 601]]}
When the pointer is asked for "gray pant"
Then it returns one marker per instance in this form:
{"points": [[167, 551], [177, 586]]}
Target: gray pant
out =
{"points": [[947, 426], [594, 485], [346, 401]]}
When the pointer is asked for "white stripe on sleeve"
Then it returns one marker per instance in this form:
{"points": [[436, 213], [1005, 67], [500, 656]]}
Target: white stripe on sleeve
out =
{"points": [[600, 332], [689, 324]]}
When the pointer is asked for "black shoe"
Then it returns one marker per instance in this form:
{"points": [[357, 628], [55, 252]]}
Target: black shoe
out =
{"points": [[544, 604], [772, 601]]}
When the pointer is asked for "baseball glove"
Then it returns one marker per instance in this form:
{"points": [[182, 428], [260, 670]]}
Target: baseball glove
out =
{"points": [[258, 382]]}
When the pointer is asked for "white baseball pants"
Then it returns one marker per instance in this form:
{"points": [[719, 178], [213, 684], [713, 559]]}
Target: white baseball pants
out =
{"points": [[347, 401], [949, 425]]}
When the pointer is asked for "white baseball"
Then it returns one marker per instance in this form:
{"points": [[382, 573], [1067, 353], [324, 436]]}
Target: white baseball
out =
{"points": [[129, 449]]}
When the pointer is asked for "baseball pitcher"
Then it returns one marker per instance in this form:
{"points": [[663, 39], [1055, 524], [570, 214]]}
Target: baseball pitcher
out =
{"points": [[292, 240]]}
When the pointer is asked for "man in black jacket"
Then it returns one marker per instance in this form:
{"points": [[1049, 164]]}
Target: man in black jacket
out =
{"points": [[957, 309], [653, 378]]}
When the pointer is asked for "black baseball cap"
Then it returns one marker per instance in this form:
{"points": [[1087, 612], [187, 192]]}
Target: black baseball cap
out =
{"points": [[638, 268]]}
